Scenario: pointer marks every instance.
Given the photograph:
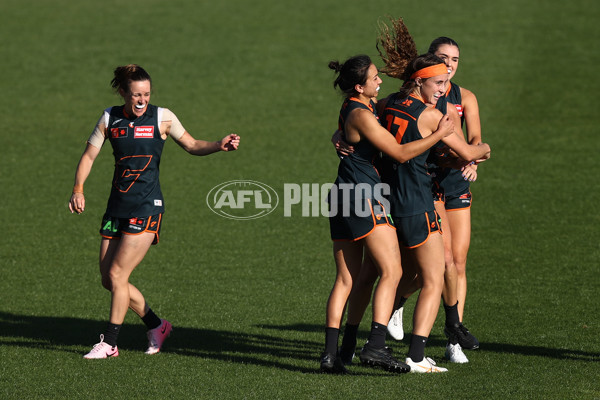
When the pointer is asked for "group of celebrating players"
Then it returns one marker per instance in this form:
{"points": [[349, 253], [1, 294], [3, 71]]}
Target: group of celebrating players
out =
{"points": [[412, 141]]}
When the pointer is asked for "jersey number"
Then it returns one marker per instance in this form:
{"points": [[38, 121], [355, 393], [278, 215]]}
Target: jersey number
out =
{"points": [[129, 170], [393, 122]]}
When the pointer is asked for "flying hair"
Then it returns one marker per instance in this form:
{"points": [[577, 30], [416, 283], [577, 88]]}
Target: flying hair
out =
{"points": [[399, 53], [396, 47]]}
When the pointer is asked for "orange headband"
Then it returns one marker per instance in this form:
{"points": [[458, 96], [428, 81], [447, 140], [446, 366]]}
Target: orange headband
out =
{"points": [[428, 72]]}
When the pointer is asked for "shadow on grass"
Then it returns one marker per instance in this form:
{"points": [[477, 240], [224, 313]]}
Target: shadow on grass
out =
{"points": [[270, 349], [76, 335], [437, 341]]}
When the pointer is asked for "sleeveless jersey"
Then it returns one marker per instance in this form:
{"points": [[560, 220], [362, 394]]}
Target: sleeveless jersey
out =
{"points": [[361, 161], [410, 182], [354, 169], [448, 181], [137, 148]]}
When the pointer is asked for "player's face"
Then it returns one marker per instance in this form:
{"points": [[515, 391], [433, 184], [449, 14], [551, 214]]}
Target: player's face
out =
{"points": [[371, 86], [433, 88], [450, 55], [137, 98]]}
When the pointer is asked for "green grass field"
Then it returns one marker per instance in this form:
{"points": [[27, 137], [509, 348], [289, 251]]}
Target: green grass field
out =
{"points": [[247, 298]]}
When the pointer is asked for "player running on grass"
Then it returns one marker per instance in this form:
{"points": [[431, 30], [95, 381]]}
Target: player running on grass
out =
{"points": [[137, 132]]}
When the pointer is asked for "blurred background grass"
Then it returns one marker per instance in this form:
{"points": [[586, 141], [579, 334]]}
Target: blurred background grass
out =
{"points": [[247, 298]]}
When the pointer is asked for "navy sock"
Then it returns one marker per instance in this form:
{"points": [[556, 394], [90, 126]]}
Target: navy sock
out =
{"points": [[349, 339], [331, 340], [151, 320], [416, 351], [111, 334], [377, 335], [452, 314]]}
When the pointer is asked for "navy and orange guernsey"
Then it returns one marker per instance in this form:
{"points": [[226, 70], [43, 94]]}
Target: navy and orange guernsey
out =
{"points": [[448, 181], [356, 169], [410, 183], [137, 148], [360, 162]]}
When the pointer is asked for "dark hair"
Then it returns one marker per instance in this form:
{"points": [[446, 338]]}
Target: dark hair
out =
{"points": [[442, 40], [128, 73], [351, 73], [399, 53]]}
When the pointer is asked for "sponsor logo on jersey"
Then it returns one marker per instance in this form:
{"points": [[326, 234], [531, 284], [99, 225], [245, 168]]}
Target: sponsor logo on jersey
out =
{"points": [[459, 108], [407, 103], [117, 121], [118, 132], [143, 132], [158, 203]]}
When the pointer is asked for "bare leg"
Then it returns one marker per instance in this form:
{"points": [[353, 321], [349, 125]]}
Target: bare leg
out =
{"points": [[118, 259], [429, 258], [382, 245], [348, 259], [449, 293], [108, 249], [362, 290], [460, 225]]}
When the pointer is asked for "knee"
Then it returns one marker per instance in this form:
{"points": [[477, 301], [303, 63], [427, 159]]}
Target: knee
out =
{"points": [[434, 279], [116, 277], [436, 282], [460, 262], [106, 283], [344, 282], [448, 258], [364, 283], [105, 276], [391, 276]]}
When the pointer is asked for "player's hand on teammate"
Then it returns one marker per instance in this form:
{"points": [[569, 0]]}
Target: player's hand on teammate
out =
{"points": [[447, 125], [341, 147], [469, 172]]}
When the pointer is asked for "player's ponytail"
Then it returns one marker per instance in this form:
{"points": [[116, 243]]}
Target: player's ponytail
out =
{"points": [[351, 73]]}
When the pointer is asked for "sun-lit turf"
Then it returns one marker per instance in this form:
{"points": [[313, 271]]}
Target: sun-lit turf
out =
{"points": [[247, 298]]}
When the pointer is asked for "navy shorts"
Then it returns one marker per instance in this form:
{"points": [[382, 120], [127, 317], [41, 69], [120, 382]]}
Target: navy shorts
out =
{"points": [[114, 228], [354, 227], [457, 201], [413, 231]]}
